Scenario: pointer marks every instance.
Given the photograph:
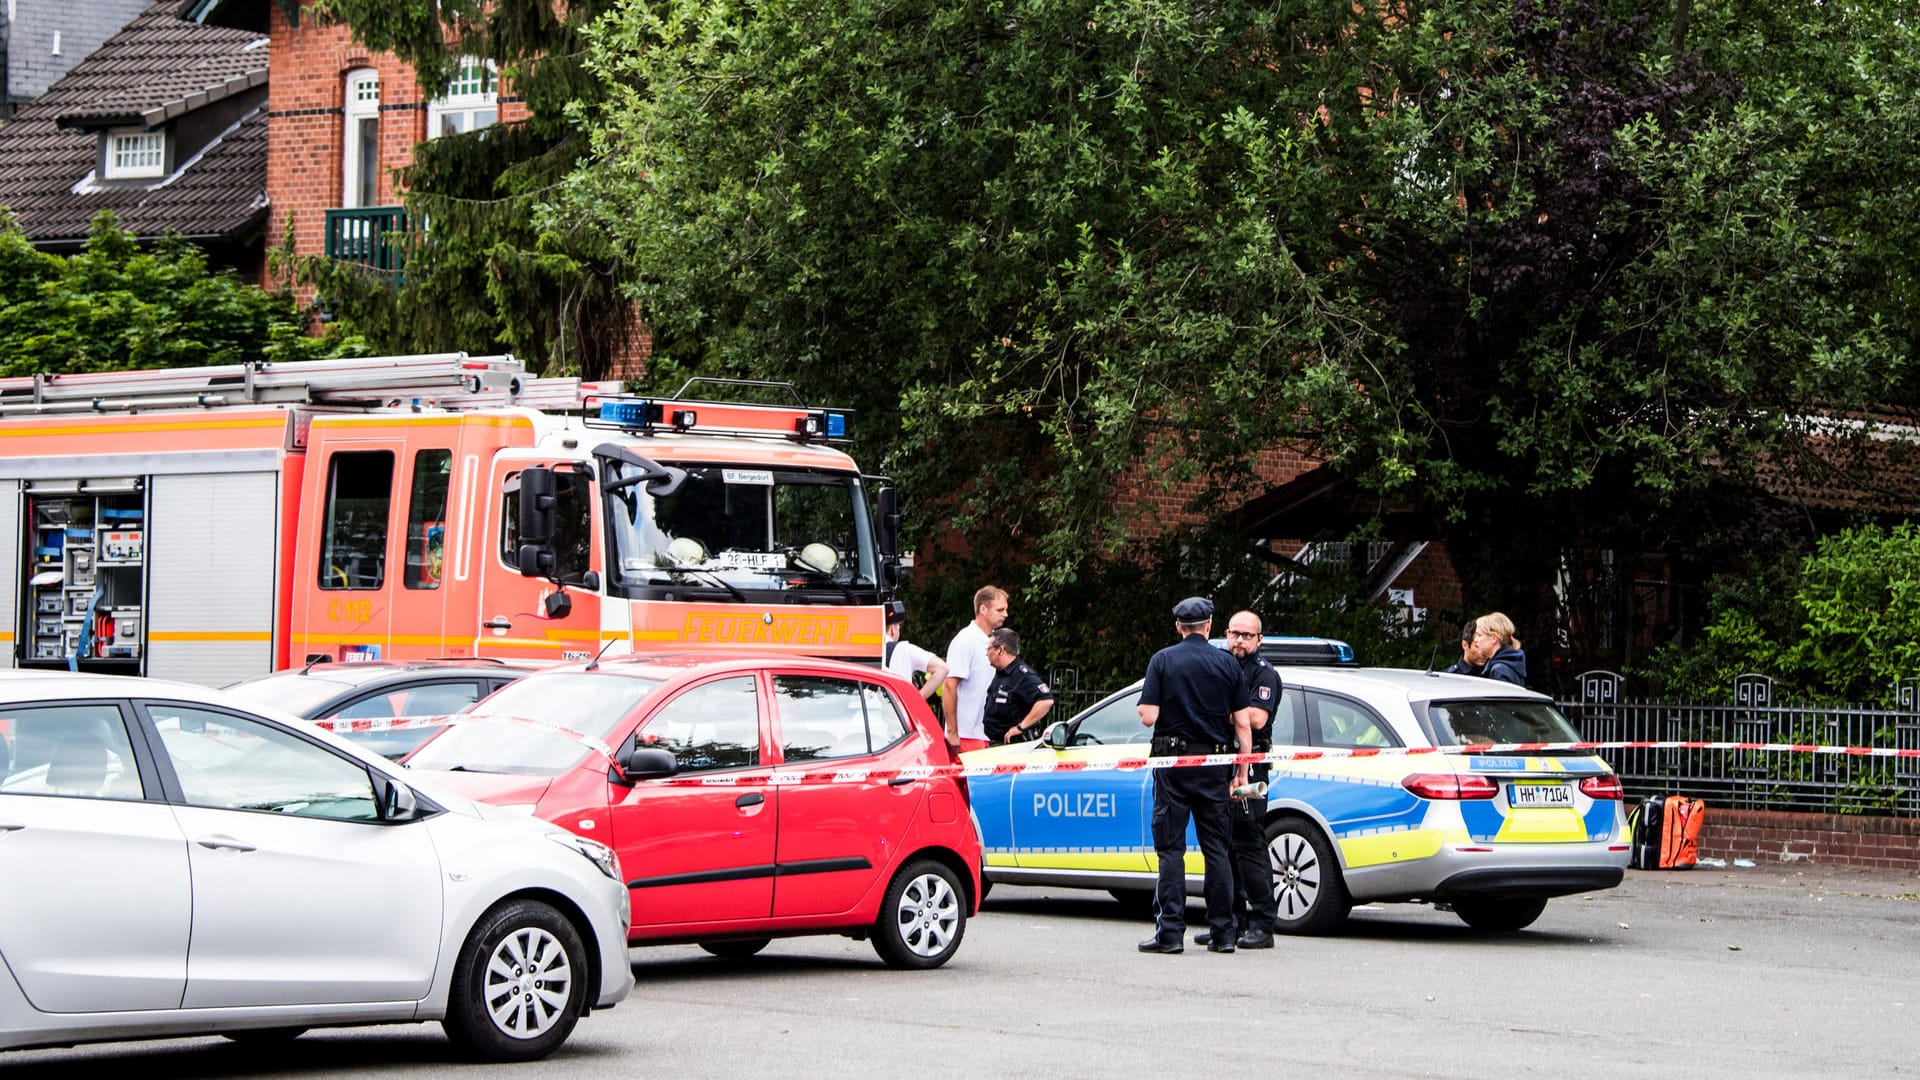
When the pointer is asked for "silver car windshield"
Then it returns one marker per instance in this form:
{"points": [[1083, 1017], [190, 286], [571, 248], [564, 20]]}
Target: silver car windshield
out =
{"points": [[1513, 720], [525, 727], [741, 529]]}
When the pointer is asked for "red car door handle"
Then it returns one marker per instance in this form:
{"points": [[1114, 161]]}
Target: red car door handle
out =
{"points": [[750, 799]]}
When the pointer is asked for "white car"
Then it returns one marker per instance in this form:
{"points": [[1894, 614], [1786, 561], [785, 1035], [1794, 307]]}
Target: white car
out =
{"points": [[174, 864]]}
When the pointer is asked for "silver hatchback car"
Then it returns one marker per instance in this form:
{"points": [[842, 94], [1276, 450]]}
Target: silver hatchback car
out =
{"points": [[172, 863]]}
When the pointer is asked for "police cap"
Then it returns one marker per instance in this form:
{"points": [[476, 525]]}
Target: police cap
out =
{"points": [[1194, 609]]}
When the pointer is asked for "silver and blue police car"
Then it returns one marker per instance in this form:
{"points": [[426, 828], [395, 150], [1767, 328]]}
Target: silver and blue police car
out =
{"points": [[1493, 837]]}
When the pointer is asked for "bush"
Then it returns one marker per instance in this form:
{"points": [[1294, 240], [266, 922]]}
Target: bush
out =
{"points": [[1840, 627]]}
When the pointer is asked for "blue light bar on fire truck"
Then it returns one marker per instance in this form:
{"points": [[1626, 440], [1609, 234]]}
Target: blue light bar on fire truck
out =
{"points": [[647, 416]]}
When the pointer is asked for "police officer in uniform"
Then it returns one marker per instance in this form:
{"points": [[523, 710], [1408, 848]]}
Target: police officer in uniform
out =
{"points": [[1253, 903], [1018, 700], [1195, 701]]}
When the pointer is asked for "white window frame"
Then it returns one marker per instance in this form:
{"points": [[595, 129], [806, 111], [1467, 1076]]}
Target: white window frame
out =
{"points": [[362, 101], [464, 103], [147, 148]]}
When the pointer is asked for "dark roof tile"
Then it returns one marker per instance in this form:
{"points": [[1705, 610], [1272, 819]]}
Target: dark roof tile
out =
{"points": [[160, 66]]}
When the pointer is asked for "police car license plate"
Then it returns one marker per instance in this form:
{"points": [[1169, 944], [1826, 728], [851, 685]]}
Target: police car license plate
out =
{"points": [[1529, 796]]}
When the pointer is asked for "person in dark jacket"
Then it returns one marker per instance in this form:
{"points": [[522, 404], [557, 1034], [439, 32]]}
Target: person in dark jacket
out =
{"points": [[1466, 665], [1498, 651]]}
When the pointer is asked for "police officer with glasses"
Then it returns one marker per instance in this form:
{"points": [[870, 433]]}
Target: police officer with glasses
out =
{"points": [[1195, 701], [1254, 907]]}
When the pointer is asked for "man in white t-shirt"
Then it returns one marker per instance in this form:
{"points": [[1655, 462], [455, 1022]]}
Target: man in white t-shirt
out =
{"points": [[906, 659], [969, 672]]}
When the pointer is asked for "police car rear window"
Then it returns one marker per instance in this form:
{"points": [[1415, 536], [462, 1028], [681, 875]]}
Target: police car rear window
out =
{"points": [[1471, 723]]}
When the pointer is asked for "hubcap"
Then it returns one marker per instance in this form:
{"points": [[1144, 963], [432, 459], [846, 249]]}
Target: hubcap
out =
{"points": [[928, 915], [528, 979], [1296, 875]]}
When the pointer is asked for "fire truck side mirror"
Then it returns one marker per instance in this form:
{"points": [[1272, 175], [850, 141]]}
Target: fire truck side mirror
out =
{"points": [[536, 560], [889, 539], [538, 499], [558, 605], [889, 501]]}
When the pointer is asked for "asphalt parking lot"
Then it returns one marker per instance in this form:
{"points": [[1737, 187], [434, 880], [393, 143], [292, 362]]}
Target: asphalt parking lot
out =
{"points": [[1796, 971]]}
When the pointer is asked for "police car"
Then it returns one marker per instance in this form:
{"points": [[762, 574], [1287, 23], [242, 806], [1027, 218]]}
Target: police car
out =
{"points": [[1493, 837]]}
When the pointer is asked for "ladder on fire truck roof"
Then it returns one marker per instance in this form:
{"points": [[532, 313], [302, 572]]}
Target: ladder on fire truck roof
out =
{"points": [[440, 380]]}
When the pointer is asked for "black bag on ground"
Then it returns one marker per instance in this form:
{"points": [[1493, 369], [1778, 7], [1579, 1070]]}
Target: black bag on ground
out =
{"points": [[1646, 823]]}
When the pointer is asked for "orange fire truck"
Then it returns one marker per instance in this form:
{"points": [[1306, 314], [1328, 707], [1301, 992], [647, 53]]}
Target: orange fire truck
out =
{"points": [[208, 524]]}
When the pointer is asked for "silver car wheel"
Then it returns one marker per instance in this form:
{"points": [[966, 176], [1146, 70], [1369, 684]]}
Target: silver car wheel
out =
{"points": [[1296, 874], [528, 983], [928, 915]]}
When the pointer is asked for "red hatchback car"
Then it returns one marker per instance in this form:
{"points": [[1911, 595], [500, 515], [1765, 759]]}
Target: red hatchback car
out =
{"points": [[783, 838]]}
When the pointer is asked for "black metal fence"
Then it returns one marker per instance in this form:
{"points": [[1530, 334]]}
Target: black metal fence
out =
{"points": [[1757, 780], [1748, 780]]}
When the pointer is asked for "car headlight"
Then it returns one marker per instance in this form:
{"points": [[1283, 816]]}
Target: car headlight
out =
{"points": [[600, 855]]}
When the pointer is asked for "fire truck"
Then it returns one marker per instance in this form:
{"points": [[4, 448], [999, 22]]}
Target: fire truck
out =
{"points": [[209, 524]]}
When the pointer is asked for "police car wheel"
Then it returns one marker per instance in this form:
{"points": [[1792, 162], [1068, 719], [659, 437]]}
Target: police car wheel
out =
{"points": [[1500, 916], [1308, 889], [1138, 903], [922, 918], [735, 950]]}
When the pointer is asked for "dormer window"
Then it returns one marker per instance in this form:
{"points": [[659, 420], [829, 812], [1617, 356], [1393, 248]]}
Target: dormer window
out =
{"points": [[471, 101], [136, 155]]}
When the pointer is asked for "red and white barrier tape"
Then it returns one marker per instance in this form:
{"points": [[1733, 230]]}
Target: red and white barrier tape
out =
{"points": [[400, 723], [380, 723], [790, 775], [1004, 768]]}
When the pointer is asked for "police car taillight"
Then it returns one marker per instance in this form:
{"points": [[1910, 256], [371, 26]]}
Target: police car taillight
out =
{"points": [[1601, 787], [1452, 786]]}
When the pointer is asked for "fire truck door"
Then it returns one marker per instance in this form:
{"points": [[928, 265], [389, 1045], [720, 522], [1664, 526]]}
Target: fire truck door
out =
{"points": [[352, 618], [518, 617]]}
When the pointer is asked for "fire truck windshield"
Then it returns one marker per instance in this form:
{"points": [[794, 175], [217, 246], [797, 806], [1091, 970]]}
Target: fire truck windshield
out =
{"points": [[734, 531]]}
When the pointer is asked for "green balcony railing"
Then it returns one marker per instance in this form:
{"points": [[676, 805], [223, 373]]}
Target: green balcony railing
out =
{"points": [[373, 236]]}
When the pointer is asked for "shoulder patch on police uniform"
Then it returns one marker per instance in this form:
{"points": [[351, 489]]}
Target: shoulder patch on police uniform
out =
{"points": [[1045, 689], [1266, 692]]}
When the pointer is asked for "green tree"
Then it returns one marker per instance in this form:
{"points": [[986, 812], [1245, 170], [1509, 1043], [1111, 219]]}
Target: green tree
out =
{"points": [[116, 305], [484, 272], [1556, 276]]}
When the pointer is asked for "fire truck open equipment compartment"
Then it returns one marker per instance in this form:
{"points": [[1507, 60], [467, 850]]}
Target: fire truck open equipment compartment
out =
{"points": [[83, 582]]}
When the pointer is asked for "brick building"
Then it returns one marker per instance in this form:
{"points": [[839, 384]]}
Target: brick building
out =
{"points": [[340, 120]]}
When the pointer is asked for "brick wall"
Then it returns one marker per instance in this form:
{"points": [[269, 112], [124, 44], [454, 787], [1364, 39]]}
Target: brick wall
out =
{"points": [[1881, 843], [1159, 506]]}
